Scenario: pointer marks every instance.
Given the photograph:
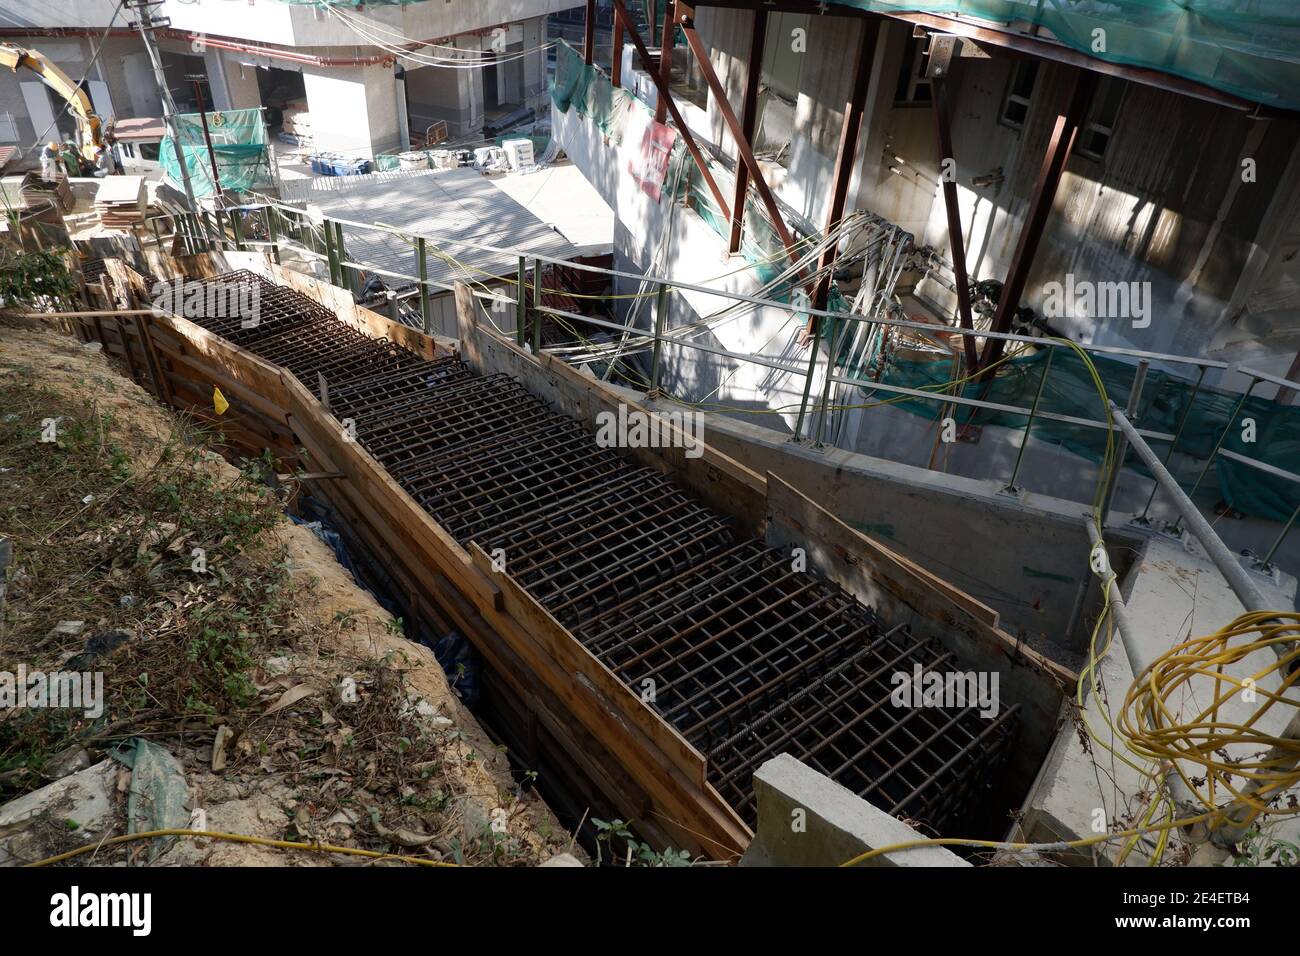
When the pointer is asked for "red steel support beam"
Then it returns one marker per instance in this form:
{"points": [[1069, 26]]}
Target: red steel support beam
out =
{"points": [[956, 237], [589, 32], [748, 116], [853, 110], [666, 97], [1040, 207], [666, 58], [616, 55], [687, 20]]}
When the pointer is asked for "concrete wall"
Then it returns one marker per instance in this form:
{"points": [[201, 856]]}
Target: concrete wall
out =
{"points": [[353, 109], [59, 13], [455, 96], [233, 84], [301, 25]]}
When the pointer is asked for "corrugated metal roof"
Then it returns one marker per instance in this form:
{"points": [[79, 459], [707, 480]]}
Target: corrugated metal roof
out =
{"points": [[452, 204]]}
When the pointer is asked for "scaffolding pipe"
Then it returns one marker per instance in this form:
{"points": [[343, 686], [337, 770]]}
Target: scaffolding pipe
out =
{"points": [[1238, 577]]}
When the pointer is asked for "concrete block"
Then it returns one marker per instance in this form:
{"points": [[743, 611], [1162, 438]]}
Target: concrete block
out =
{"points": [[807, 819]]}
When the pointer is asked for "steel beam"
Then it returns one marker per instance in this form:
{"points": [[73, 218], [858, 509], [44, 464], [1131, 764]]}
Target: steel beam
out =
{"points": [[616, 55], [748, 116], [665, 97], [589, 32], [848, 151], [956, 235], [686, 16], [1040, 207], [665, 59]]}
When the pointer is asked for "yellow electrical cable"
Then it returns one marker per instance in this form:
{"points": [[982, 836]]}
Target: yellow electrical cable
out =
{"points": [[238, 838], [1002, 845], [1156, 731]]}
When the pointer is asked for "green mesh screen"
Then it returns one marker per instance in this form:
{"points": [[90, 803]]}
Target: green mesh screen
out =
{"points": [[1250, 48], [239, 142], [1165, 399]]}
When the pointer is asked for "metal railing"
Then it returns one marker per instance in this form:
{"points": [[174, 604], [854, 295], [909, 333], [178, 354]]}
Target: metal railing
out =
{"points": [[284, 225]]}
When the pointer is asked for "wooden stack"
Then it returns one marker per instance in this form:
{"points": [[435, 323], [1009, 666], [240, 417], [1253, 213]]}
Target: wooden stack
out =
{"points": [[120, 202], [36, 191]]}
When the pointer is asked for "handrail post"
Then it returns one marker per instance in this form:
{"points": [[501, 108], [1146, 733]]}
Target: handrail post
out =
{"points": [[272, 232], [1223, 436], [331, 254], [1142, 519], [521, 301], [1112, 480], [426, 313], [237, 227], [345, 280], [1265, 563], [833, 342], [807, 380], [1011, 488], [537, 307], [661, 317]]}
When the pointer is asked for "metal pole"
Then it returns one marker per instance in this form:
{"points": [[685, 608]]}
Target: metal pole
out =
{"points": [[426, 311], [537, 307], [1112, 480], [521, 301], [1029, 422], [272, 216], [834, 343], [207, 136], [1266, 563], [807, 381], [1179, 791], [1238, 577], [146, 27], [237, 227], [345, 279], [1178, 433], [1223, 436], [331, 254], [661, 316]]}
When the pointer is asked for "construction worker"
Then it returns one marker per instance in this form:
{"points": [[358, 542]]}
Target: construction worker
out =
{"points": [[105, 164], [71, 159], [50, 161]]}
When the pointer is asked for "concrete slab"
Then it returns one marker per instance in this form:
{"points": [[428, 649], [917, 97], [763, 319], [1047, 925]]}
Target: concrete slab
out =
{"points": [[807, 819], [454, 205], [560, 196], [1173, 592]]}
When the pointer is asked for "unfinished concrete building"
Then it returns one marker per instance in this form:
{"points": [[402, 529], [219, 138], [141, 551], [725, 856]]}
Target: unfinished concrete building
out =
{"points": [[331, 72], [932, 408]]}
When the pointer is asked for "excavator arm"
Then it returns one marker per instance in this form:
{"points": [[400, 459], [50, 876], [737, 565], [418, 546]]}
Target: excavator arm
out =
{"points": [[88, 123]]}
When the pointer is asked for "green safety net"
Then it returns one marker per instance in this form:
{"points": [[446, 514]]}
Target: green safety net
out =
{"points": [[590, 93], [1249, 48], [238, 141], [1069, 389], [1261, 429]]}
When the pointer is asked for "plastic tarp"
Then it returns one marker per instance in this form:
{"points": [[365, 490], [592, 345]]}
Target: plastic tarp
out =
{"points": [[1249, 48], [238, 141], [1069, 390]]}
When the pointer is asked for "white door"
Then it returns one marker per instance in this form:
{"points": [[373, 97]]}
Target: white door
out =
{"points": [[39, 110]]}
